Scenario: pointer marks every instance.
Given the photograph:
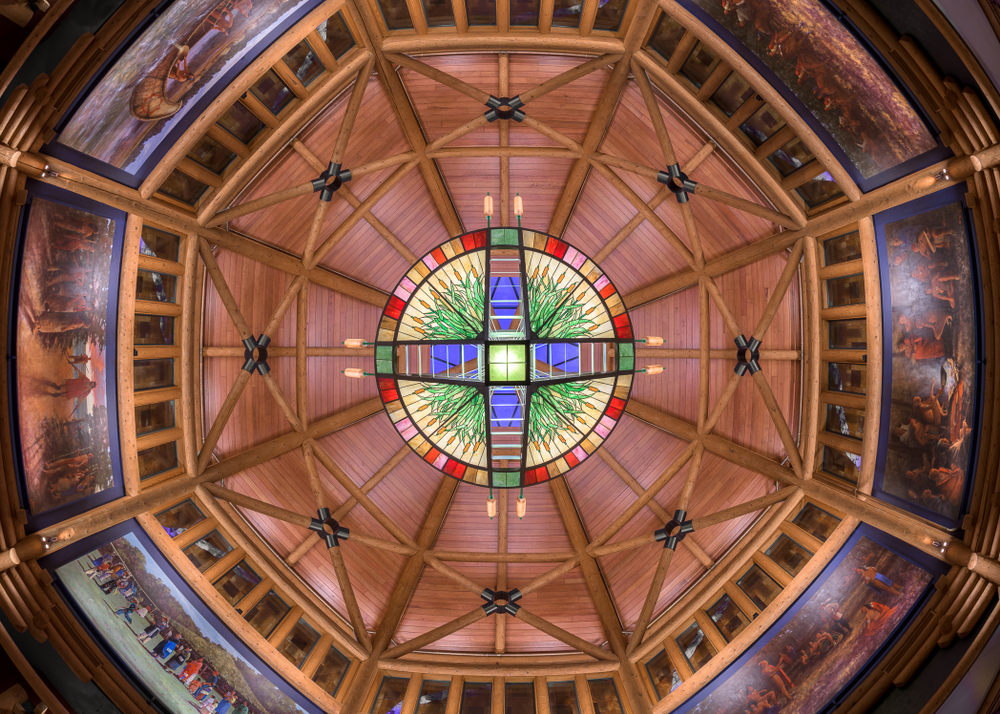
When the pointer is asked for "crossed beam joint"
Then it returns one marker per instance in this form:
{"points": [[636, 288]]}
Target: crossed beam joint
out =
{"points": [[680, 524], [677, 182], [328, 187], [329, 529], [256, 363], [513, 109], [508, 596], [743, 345]]}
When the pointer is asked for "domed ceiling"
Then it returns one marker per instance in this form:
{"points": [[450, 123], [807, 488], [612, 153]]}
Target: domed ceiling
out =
{"points": [[406, 223]]}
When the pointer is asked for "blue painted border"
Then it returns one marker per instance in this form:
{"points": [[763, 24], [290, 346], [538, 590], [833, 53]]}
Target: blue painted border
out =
{"points": [[889, 175], [86, 545], [945, 197], [59, 151], [900, 548], [37, 189]]}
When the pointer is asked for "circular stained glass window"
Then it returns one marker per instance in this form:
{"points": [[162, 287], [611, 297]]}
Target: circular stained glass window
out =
{"points": [[505, 357]]}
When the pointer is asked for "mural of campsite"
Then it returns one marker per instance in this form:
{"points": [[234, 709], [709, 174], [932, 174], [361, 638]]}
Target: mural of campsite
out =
{"points": [[61, 339], [933, 359], [171, 65], [832, 74], [162, 637], [828, 641]]}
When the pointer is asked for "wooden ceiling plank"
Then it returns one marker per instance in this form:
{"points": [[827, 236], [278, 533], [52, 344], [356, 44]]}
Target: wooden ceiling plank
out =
{"points": [[341, 512], [448, 628], [648, 213], [556, 632], [570, 75], [625, 516], [222, 418], [742, 509], [634, 692], [480, 96], [653, 595], [344, 480], [349, 196], [774, 411], [403, 590], [603, 114], [348, 223]]}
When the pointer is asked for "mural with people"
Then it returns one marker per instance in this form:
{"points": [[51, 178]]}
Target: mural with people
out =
{"points": [[161, 636], [61, 334], [828, 641], [933, 359]]}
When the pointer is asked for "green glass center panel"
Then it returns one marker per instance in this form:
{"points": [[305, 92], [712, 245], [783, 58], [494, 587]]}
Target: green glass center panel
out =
{"points": [[508, 363]]}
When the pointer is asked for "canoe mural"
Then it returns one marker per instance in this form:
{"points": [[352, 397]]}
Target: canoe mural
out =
{"points": [[62, 330], [828, 641], [833, 74], [933, 359], [173, 63]]}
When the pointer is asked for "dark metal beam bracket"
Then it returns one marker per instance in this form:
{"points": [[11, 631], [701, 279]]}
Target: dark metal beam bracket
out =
{"points": [[682, 189], [336, 532], [342, 176], [513, 110], [258, 363], [678, 521], [491, 597], [743, 345]]}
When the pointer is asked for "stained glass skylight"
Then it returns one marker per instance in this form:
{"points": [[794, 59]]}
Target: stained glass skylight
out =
{"points": [[505, 357]]}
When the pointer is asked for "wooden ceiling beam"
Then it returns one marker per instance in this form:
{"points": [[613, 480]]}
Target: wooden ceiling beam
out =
{"points": [[401, 594], [634, 691], [272, 351], [352, 199], [362, 498], [474, 666], [341, 512], [604, 112], [523, 40], [336, 556], [408, 120], [163, 494], [653, 595], [503, 519]]}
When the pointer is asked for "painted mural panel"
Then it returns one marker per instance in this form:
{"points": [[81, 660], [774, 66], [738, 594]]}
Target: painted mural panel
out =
{"points": [[933, 359], [61, 339], [172, 64], [164, 640], [832, 73], [828, 641]]}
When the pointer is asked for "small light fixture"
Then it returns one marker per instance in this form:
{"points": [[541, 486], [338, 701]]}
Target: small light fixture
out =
{"points": [[522, 505], [943, 175], [355, 373], [355, 344], [518, 208], [488, 208], [491, 505], [651, 341], [651, 369]]}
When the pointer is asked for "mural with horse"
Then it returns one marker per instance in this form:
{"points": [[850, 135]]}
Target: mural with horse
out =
{"points": [[173, 63], [933, 359], [62, 330], [833, 74]]}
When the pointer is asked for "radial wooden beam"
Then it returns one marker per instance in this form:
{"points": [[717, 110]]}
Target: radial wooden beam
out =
{"points": [[448, 628], [669, 157], [401, 594], [659, 511], [558, 633], [742, 509], [352, 488], [503, 85], [336, 556], [784, 432], [371, 35], [638, 504], [637, 31], [503, 516], [597, 587], [653, 595], [480, 96]]}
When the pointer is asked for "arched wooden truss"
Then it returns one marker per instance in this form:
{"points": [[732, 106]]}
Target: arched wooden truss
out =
{"points": [[376, 64]]}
